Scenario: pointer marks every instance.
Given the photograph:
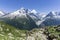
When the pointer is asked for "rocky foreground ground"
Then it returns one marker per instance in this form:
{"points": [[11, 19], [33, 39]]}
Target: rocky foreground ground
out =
{"points": [[48, 33], [37, 35], [8, 32]]}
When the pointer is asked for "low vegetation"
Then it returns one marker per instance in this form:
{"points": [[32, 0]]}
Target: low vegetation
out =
{"points": [[9, 32], [53, 32]]}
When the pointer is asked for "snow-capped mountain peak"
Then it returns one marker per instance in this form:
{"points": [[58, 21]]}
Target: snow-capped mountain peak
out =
{"points": [[23, 10], [1, 13], [34, 11], [20, 13], [51, 14]]}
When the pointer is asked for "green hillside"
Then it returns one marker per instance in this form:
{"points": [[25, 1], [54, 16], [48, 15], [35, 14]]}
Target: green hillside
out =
{"points": [[8, 32]]}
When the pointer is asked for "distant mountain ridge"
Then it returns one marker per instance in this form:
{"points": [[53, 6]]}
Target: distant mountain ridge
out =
{"points": [[52, 19], [29, 19], [23, 19]]}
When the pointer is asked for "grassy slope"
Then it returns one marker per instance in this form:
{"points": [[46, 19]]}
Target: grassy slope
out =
{"points": [[8, 32]]}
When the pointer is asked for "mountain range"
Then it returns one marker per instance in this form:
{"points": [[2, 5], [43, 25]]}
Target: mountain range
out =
{"points": [[29, 19]]}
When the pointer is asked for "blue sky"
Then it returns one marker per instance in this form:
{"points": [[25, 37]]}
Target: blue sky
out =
{"points": [[39, 5]]}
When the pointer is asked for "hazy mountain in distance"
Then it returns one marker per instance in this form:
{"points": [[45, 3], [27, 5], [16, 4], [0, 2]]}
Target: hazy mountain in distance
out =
{"points": [[51, 19]]}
